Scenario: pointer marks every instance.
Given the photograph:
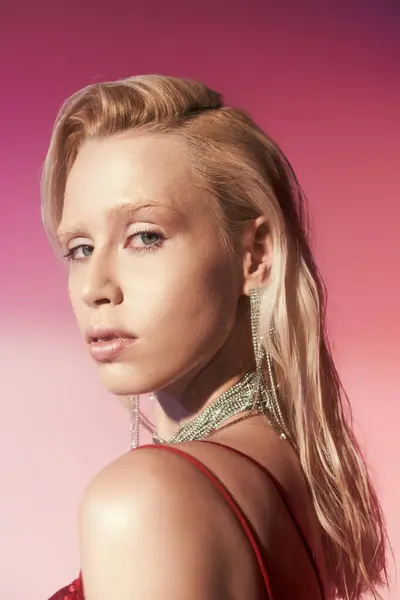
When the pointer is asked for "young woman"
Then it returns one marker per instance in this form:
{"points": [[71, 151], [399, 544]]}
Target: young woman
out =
{"points": [[192, 280]]}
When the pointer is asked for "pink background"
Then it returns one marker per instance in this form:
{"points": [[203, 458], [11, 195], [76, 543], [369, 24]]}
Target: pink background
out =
{"points": [[324, 83]]}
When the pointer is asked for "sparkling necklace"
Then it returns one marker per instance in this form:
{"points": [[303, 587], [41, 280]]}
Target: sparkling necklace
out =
{"points": [[248, 394]]}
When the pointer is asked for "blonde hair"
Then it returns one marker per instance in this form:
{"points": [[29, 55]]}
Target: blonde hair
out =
{"points": [[250, 176]]}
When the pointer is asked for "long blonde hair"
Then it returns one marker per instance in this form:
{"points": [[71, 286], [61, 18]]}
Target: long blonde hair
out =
{"points": [[250, 176]]}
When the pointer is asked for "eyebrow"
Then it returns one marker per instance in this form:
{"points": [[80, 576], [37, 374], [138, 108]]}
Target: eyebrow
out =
{"points": [[121, 210], [117, 212]]}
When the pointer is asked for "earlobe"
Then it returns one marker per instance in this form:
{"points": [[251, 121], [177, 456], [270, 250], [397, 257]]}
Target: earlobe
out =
{"points": [[255, 280]]}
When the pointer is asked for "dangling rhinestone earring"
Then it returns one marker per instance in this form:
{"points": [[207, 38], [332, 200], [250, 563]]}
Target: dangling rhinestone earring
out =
{"points": [[269, 395], [135, 421]]}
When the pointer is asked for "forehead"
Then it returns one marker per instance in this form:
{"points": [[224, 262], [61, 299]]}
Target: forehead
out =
{"points": [[132, 167]]}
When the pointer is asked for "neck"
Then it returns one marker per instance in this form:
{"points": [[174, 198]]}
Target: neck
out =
{"points": [[170, 415], [184, 399]]}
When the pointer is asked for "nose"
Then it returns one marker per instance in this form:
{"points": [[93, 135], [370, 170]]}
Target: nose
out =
{"points": [[101, 286]]}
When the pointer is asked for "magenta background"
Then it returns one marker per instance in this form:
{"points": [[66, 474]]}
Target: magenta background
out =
{"points": [[323, 81]]}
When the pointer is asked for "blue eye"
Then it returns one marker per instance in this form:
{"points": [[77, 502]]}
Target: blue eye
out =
{"points": [[149, 240], [86, 250]]}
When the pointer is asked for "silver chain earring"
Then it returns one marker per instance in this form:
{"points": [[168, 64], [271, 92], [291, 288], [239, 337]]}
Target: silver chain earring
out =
{"points": [[269, 394], [135, 421]]}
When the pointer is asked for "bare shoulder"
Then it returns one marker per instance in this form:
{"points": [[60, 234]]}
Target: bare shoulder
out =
{"points": [[149, 474], [144, 530], [151, 523]]}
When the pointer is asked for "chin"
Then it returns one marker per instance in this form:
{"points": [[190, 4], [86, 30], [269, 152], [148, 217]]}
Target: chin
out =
{"points": [[122, 379]]}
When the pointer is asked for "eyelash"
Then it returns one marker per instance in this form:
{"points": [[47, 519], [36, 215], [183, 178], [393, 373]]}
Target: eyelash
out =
{"points": [[70, 254]]}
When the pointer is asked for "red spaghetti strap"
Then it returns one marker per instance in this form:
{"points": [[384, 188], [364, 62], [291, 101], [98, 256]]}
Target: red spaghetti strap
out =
{"points": [[282, 493], [246, 526]]}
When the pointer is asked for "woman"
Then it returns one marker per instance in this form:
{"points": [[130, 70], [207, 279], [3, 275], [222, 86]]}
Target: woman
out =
{"points": [[191, 279]]}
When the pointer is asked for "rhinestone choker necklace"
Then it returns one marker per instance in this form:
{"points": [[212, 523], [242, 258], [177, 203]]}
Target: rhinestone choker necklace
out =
{"points": [[246, 395]]}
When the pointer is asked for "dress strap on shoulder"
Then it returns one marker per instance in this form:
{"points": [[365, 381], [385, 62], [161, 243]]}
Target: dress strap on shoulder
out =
{"points": [[236, 509], [284, 497]]}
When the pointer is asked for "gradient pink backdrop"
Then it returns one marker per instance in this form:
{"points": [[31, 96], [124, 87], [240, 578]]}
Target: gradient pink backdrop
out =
{"points": [[325, 83]]}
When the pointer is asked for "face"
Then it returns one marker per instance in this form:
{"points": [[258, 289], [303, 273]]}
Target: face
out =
{"points": [[147, 265]]}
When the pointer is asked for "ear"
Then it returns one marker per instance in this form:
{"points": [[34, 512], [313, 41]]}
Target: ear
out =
{"points": [[257, 255]]}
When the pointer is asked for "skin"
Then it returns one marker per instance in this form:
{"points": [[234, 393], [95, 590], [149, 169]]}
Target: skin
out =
{"points": [[185, 298]]}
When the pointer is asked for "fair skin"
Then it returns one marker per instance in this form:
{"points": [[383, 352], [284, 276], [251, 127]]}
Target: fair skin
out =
{"points": [[185, 299]]}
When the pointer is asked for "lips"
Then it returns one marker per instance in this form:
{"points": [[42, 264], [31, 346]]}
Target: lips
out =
{"points": [[106, 343], [105, 338], [104, 332]]}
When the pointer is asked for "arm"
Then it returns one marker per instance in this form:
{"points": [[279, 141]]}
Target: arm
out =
{"points": [[146, 533]]}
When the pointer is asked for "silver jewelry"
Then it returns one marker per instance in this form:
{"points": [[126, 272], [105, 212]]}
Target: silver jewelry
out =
{"points": [[135, 421], [239, 398], [274, 416]]}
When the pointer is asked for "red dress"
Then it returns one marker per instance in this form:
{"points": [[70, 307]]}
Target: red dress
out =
{"points": [[74, 591]]}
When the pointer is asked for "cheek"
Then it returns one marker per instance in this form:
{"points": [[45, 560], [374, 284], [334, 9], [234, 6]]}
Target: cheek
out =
{"points": [[75, 297], [191, 305]]}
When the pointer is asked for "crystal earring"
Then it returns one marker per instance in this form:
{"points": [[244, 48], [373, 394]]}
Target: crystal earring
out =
{"points": [[135, 421], [268, 395]]}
